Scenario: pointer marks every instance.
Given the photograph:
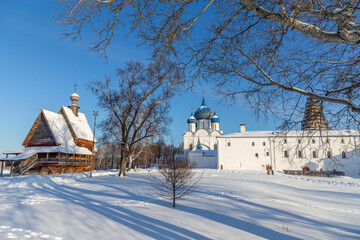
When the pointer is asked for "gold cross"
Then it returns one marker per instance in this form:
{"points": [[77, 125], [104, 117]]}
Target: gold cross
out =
{"points": [[75, 85]]}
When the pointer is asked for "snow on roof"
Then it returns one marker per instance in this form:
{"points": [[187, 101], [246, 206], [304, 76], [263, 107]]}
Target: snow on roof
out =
{"points": [[16, 151], [79, 124], [264, 134], [59, 128], [206, 152], [27, 152], [249, 134]]}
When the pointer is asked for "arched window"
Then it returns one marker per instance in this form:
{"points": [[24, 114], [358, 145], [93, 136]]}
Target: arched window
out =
{"points": [[300, 154], [314, 154], [190, 146], [215, 146], [328, 154], [256, 155], [343, 154]]}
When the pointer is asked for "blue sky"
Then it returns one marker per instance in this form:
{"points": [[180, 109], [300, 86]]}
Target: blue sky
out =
{"points": [[38, 70]]}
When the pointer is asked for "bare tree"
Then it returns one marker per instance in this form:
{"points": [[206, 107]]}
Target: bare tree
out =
{"points": [[273, 53], [178, 178], [137, 109]]}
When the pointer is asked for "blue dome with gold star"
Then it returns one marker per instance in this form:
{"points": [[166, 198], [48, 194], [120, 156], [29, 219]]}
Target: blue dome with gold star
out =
{"points": [[192, 119], [203, 112], [215, 118]]}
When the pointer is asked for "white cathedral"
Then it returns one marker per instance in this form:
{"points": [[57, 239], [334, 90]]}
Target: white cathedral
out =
{"points": [[315, 146]]}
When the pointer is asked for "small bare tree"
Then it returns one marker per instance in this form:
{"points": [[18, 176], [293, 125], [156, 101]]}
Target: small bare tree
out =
{"points": [[177, 179]]}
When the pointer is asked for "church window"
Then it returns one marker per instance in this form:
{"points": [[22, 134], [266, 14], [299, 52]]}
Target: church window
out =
{"points": [[327, 140], [257, 155], [313, 140], [300, 154], [343, 154], [314, 154], [215, 146], [267, 154], [299, 140], [342, 141], [328, 154], [285, 141], [190, 146], [286, 154], [253, 143], [264, 143], [229, 144]]}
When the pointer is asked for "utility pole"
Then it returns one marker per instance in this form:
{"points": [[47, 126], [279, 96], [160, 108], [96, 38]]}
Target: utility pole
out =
{"points": [[95, 113]]}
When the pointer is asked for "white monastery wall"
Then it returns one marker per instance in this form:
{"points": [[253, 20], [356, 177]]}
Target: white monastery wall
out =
{"points": [[244, 153], [291, 152]]}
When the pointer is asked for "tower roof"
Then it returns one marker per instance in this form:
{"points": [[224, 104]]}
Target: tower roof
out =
{"points": [[215, 118], [192, 119], [198, 146], [314, 117]]}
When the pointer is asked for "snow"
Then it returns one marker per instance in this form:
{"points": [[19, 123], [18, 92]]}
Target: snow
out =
{"points": [[75, 95], [62, 135], [225, 205], [324, 133], [79, 124], [69, 148]]}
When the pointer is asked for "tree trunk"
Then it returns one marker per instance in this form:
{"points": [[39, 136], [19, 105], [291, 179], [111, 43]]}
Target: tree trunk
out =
{"points": [[123, 162], [174, 192]]}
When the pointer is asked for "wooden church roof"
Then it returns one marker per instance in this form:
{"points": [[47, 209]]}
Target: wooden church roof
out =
{"points": [[56, 132]]}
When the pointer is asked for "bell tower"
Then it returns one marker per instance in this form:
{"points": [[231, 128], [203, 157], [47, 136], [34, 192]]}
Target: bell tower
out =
{"points": [[314, 118], [74, 100]]}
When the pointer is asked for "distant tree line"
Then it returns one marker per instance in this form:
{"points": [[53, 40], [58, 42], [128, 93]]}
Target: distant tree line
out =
{"points": [[146, 154]]}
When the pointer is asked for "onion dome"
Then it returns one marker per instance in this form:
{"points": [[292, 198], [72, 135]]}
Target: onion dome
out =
{"points": [[75, 96], [215, 118], [74, 100], [203, 112], [192, 119]]}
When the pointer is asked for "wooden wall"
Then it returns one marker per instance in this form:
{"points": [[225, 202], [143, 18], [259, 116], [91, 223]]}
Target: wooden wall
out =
{"points": [[40, 134]]}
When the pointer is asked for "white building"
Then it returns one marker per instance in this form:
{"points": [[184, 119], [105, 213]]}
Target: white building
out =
{"points": [[200, 143], [315, 146], [317, 150]]}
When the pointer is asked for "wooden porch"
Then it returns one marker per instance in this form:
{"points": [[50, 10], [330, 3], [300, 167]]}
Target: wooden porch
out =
{"points": [[48, 163]]}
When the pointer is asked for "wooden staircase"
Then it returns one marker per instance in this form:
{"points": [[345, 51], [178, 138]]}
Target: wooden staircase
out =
{"points": [[29, 163]]}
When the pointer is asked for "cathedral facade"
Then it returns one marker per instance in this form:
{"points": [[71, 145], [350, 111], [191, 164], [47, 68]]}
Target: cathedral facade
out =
{"points": [[203, 128]]}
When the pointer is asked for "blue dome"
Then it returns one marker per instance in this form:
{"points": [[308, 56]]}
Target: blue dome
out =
{"points": [[192, 119], [203, 112], [215, 118]]}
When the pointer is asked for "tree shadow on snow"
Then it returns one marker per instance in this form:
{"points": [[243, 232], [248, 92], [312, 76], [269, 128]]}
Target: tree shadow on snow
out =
{"points": [[271, 213], [150, 226]]}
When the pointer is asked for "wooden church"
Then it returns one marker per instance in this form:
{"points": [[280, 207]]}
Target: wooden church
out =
{"points": [[59, 142]]}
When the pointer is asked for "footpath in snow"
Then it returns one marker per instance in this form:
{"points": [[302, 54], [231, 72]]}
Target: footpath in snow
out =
{"points": [[225, 205]]}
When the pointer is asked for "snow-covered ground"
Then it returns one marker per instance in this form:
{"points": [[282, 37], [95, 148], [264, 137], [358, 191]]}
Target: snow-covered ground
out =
{"points": [[226, 205]]}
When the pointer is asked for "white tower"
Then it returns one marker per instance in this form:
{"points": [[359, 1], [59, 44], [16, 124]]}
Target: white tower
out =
{"points": [[192, 123], [215, 122]]}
